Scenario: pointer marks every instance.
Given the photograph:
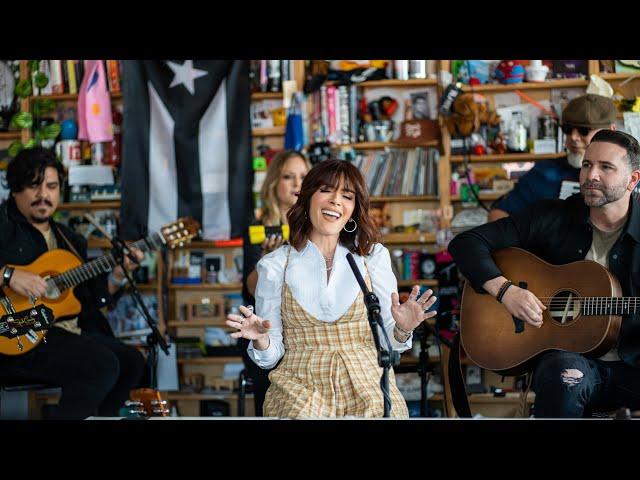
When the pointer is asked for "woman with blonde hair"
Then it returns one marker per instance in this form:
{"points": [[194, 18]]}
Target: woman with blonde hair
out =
{"points": [[279, 193]]}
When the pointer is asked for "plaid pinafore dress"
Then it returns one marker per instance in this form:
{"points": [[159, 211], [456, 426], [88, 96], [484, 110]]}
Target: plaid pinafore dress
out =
{"points": [[328, 369]]}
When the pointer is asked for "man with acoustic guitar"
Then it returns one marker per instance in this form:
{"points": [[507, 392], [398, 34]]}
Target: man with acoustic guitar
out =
{"points": [[95, 370], [601, 224]]}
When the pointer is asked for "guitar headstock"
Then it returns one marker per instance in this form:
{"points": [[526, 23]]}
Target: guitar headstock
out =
{"points": [[180, 232], [149, 402]]}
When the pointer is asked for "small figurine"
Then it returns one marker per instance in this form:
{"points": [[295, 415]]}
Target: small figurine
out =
{"points": [[510, 71]]}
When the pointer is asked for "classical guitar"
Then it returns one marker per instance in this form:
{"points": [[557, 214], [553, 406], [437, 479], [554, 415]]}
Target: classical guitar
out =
{"points": [[25, 323], [584, 313]]}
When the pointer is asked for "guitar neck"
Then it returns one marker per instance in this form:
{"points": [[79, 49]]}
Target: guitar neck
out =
{"points": [[610, 305], [104, 264]]}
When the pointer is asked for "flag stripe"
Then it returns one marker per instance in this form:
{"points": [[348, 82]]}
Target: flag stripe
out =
{"points": [[214, 161], [163, 189]]}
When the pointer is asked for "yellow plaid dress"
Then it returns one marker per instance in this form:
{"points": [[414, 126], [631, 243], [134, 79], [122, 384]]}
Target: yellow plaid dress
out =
{"points": [[328, 369]]}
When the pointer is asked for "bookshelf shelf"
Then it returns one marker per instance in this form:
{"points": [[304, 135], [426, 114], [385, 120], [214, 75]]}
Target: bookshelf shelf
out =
{"points": [[393, 82], [409, 238], [68, 96], [381, 145], [204, 396], [207, 286], [90, 205], [266, 96], [483, 196], [508, 157], [13, 135], [406, 198], [268, 132], [209, 360], [210, 244], [619, 76], [510, 397], [498, 87], [103, 243]]}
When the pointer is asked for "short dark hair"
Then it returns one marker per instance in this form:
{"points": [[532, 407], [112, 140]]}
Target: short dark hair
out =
{"points": [[28, 167], [624, 140], [328, 173]]}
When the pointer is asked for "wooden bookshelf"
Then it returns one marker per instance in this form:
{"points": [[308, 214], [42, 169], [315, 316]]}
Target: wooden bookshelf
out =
{"points": [[268, 132], [392, 83], [408, 238], [507, 157], [223, 395], [618, 76], [381, 145], [549, 84], [99, 243], [207, 286], [266, 96], [60, 97], [107, 205], [406, 198], [12, 135], [195, 244], [483, 196], [209, 360]]}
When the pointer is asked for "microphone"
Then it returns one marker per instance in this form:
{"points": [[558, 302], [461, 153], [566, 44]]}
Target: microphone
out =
{"points": [[370, 298]]}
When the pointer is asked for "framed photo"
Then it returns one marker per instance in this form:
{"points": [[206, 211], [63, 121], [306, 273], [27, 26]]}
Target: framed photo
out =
{"points": [[420, 106]]}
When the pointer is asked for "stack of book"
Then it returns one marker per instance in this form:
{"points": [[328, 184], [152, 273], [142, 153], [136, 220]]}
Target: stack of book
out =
{"points": [[65, 76]]}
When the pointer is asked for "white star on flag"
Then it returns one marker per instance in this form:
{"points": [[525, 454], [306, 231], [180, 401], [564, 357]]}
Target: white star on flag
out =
{"points": [[185, 74]]}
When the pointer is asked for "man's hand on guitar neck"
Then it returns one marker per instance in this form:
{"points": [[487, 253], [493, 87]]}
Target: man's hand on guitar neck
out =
{"points": [[27, 284], [519, 302], [118, 274]]}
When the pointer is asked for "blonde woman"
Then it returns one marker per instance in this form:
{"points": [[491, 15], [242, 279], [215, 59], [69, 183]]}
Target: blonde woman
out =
{"points": [[279, 193]]}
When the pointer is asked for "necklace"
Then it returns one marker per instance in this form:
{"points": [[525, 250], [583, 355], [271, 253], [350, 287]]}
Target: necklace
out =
{"points": [[328, 261]]}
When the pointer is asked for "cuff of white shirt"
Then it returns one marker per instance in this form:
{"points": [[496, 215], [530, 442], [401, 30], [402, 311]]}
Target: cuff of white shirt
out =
{"points": [[263, 358], [400, 346]]}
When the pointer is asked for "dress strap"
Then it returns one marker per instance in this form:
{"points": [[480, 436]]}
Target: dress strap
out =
{"points": [[286, 263]]}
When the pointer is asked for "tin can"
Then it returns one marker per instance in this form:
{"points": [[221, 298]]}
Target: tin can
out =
{"points": [[402, 69], [97, 153], [417, 69]]}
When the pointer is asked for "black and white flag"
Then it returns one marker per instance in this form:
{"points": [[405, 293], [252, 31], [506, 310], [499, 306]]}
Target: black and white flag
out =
{"points": [[186, 146]]}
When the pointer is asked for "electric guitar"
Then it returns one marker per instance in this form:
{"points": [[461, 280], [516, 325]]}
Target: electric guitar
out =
{"points": [[584, 313], [26, 322]]}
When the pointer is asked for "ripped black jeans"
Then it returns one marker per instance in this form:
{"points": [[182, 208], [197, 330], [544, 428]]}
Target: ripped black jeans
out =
{"points": [[569, 385]]}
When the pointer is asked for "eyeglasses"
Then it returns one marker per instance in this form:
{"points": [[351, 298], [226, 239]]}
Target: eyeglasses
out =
{"points": [[583, 131]]}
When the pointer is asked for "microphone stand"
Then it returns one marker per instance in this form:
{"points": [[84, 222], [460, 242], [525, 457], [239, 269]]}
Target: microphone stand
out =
{"points": [[386, 357], [154, 339]]}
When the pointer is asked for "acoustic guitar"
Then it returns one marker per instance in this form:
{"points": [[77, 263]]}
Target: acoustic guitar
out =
{"points": [[584, 313], [26, 322]]}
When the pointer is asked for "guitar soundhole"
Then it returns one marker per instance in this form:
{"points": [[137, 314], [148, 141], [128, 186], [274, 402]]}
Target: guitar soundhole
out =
{"points": [[564, 307]]}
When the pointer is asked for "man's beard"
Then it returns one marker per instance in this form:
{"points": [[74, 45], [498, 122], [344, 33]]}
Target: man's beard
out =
{"points": [[37, 218], [575, 159], [609, 195]]}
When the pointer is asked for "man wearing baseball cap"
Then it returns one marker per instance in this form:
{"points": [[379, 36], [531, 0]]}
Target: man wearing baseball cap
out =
{"points": [[558, 178]]}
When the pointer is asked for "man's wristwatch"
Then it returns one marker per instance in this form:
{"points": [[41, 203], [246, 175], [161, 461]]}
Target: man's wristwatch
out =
{"points": [[6, 276]]}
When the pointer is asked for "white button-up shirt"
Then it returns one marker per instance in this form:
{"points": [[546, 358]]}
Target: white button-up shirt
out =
{"points": [[306, 278]]}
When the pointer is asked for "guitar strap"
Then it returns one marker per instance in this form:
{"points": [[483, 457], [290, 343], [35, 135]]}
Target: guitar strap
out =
{"points": [[456, 381], [66, 240]]}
